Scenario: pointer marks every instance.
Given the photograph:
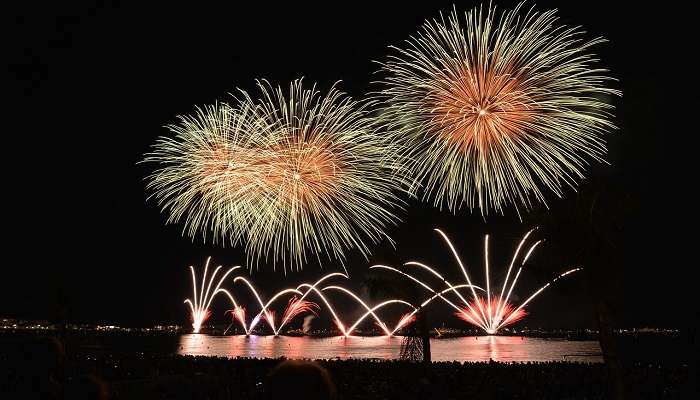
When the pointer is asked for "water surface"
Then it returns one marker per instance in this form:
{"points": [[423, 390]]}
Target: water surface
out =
{"points": [[467, 348]]}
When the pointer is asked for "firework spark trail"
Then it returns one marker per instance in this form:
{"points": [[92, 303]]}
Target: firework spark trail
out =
{"points": [[405, 320], [451, 287], [296, 306], [464, 270], [494, 312], [208, 171], [347, 331], [370, 310], [515, 280], [521, 306], [318, 282], [237, 311], [323, 298], [431, 270], [266, 313], [488, 285], [512, 262], [413, 278], [288, 175], [237, 314], [425, 303], [490, 109], [200, 306], [339, 323], [495, 322], [490, 313], [269, 316]]}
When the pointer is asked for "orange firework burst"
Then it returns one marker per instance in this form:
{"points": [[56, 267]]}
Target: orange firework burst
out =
{"points": [[493, 106], [290, 174], [330, 185]]}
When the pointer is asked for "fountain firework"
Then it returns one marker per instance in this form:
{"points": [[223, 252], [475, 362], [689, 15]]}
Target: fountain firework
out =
{"points": [[199, 306], [490, 312], [297, 304]]}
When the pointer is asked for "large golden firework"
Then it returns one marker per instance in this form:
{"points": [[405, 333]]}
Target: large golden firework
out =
{"points": [[490, 108], [290, 175]]}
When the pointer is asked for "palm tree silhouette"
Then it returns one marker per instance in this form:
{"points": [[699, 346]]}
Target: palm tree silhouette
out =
{"points": [[587, 229]]}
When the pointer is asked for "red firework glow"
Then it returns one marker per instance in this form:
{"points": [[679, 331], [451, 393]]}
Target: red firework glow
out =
{"points": [[496, 315], [296, 306], [269, 316], [238, 313]]}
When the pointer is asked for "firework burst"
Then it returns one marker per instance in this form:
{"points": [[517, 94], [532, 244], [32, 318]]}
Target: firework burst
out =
{"points": [[491, 107], [289, 174], [491, 312], [332, 186], [209, 172]]}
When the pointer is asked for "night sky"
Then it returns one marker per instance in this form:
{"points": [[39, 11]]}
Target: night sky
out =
{"points": [[94, 85]]}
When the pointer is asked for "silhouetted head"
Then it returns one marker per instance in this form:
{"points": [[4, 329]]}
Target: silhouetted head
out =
{"points": [[39, 365], [86, 387], [301, 380], [45, 355]]}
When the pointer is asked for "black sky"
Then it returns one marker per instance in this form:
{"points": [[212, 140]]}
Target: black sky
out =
{"points": [[92, 87]]}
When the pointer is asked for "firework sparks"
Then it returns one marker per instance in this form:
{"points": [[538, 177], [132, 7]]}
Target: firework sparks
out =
{"points": [[208, 171], [508, 313], [494, 106], [296, 306], [237, 314], [405, 320], [289, 175], [199, 306], [369, 311], [265, 312], [492, 312]]}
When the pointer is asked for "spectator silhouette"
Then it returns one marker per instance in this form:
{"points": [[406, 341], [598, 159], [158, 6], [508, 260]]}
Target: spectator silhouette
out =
{"points": [[40, 367], [301, 380], [87, 387]]}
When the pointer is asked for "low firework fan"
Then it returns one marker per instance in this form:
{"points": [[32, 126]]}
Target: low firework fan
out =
{"points": [[288, 174], [493, 107]]}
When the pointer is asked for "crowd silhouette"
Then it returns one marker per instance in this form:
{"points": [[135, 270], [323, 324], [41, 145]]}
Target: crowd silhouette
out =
{"points": [[41, 369]]}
